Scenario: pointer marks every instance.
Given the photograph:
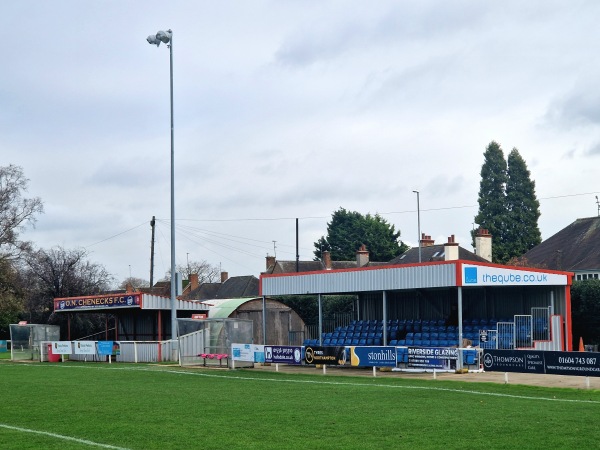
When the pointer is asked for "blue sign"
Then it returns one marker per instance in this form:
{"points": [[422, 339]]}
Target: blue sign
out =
{"points": [[281, 354], [105, 348], [470, 275], [3, 347], [373, 356]]}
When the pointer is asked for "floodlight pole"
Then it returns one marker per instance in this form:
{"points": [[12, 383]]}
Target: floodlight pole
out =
{"points": [[167, 38], [418, 224], [173, 274]]}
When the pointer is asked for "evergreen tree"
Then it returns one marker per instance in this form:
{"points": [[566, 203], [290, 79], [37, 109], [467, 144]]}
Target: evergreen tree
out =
{"points": [[508, 206], [492, 199], [348, 230], [523, 209]]}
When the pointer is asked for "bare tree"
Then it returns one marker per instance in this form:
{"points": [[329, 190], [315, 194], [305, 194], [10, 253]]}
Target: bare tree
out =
{"points": [[59, 273], [15, 211], [206, 272], [136, 283]]}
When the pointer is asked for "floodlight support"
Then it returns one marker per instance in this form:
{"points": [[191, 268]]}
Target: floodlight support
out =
{"points": [[167, 38], [418, 224]]}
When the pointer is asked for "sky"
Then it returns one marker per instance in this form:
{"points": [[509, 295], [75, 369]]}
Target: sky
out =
{"points": [[290, 109]]}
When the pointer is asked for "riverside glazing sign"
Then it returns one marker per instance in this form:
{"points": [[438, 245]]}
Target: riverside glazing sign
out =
{"points": [[98, 301]]}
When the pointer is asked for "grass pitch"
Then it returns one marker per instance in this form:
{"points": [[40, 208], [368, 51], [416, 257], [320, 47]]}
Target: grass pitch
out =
{"points": [[78, 405]]}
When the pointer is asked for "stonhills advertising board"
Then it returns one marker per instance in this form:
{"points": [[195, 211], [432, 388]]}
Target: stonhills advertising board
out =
{"points": [[532, 361], [373, 356]]}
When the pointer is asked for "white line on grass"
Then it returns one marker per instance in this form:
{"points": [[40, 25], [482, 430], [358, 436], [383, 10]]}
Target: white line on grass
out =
{"points": [[332, 383], [60, 436]]}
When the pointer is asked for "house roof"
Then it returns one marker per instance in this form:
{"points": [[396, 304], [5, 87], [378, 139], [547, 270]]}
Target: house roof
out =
{"points": [[315, 266], [234, 287], [576, 247], [433, 253]]}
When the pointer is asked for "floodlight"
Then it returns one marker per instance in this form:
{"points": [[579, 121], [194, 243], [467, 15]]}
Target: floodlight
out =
{"points": [[153, 40], [164, 36]]}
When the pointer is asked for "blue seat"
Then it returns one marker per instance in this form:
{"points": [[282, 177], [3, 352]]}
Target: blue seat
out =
{"points": [[362, 341], [393, 342]]}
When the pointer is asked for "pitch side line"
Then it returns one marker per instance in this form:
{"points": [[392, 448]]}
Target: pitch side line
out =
{"points": [[334, 383], [60, 436]]}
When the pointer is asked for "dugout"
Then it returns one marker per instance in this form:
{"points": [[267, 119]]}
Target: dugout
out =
{"points": [[450, 291], [137, 316]]}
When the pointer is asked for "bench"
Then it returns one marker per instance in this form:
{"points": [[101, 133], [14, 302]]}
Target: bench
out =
{"points": [[217, 356]]}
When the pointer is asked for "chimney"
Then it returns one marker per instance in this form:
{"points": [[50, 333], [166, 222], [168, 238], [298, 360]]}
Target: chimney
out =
{"points": [[327, 259], [451, 249], [270, 261], [224, 277], [483, 244], [362, 256], [426, 240], [129, 288], [193, 279]]}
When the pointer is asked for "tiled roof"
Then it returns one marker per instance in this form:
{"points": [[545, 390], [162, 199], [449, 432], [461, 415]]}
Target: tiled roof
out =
{"points": [[576, 247], [433, 253]]}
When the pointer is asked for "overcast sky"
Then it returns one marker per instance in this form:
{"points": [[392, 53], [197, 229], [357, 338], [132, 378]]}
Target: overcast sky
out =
{"points": [[290, 109]]}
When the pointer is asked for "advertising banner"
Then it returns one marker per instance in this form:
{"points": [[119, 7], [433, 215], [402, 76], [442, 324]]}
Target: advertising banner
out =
{"points": [[85, 347], [245, 352], [61, 347], [105, 348], [3, 346], [531, 361], [373, 356], [431, 357], [498, 276], [332, 356], [96, 302], [281, 354]]}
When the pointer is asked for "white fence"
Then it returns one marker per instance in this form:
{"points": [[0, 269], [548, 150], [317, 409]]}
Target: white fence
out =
{"points": [[131, 351]]}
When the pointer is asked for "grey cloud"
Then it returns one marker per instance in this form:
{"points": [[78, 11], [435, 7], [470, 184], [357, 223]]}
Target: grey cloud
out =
{"points": [[580, 107]]}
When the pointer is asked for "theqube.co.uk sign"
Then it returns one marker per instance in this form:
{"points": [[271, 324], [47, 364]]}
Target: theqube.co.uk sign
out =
{"points": [[497, 276]]}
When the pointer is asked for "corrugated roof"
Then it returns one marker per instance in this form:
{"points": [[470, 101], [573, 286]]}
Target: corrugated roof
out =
{"points": [[222, 309]]}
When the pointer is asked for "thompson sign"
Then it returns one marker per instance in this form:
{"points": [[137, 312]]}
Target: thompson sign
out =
{"points": [[553, 363]]}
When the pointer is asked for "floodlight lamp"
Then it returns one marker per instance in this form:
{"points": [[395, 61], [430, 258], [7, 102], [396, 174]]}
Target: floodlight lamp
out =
{"points": [[164, 36], [152, 40]]}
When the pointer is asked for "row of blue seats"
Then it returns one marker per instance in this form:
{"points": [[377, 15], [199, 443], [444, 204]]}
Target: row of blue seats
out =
{"points": [[393, 342]]}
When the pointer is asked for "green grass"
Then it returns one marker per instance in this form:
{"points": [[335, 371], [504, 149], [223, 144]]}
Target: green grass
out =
{"points": [[157, 407]]}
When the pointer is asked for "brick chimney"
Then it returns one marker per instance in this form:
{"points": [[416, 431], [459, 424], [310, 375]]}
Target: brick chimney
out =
{"points": [[193, 279], [451, 249], [483, 244], [362, 256], [129, 288], [326, 259], [270, 261], [224, 277], [426, 240]]}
